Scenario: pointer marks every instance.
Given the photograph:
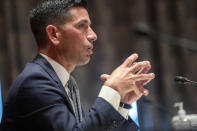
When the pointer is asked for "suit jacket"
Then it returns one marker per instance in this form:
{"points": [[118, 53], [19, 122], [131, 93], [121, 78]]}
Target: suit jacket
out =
{"points": [[37, 101]]}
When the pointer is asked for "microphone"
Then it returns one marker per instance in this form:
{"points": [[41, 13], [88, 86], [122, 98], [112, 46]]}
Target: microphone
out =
{"points": [[184, 80], [146, 31]]}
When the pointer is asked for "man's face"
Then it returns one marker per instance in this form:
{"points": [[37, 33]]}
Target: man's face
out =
{"points": [[77, 37]]}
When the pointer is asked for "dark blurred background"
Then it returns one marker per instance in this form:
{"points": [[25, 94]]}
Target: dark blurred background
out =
{"points": [[113, 21]]}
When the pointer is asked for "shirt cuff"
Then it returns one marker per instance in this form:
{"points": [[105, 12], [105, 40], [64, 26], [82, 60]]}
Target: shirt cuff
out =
{"points": [[111, 96], [124, 112]]}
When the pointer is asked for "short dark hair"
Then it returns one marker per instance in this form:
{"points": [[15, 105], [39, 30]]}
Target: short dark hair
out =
{"points": [[50, 12]]}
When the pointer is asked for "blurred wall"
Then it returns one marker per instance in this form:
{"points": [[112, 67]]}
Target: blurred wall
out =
{"points": [[113, 22]]}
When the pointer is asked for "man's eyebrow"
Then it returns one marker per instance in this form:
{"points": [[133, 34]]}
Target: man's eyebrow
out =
{"points": [[84, 21]]}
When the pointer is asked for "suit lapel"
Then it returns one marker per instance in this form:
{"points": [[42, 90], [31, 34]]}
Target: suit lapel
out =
{"points": [[48, 68]]}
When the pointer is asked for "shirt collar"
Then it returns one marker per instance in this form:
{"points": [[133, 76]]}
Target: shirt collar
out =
{"points": [[61, 72]]}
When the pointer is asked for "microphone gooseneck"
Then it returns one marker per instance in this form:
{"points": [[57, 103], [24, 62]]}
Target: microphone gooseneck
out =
{"points": [[184, 80]]}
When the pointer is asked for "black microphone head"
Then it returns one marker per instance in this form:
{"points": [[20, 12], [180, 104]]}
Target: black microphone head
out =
{"points": [[144, 30], [181, 79]]}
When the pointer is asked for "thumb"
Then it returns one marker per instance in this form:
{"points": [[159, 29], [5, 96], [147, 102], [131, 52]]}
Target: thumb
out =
{"points": [[104, 77]]}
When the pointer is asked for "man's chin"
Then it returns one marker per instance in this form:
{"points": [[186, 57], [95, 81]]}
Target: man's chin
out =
{"points": [[84, 62]]}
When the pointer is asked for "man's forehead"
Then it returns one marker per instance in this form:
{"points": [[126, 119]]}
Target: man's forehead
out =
{"points": [[79, 14]]}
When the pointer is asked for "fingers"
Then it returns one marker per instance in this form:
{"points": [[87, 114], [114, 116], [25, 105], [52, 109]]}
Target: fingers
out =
{"points": [[143, 91], [143, 82], [142, 77], [125, 77], [139, 66], [140, 84], [144, 70], [104, 77], [146, 82], [129, 61]]}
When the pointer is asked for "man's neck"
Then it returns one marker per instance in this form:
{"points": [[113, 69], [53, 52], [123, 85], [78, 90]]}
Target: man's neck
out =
{"points": [[69, 67]]}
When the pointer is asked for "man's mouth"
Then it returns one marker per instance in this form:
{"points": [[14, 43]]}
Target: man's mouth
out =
{"points": [[90, 50]]}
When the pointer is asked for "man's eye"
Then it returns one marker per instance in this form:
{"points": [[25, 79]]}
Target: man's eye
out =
{"points": [[81, 25]]}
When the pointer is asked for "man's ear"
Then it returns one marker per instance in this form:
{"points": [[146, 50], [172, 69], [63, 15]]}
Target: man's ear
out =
{"points": [[53, 34]]}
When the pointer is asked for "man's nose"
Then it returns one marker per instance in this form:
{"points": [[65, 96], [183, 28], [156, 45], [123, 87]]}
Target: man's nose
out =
{"points": [[91, 36]]}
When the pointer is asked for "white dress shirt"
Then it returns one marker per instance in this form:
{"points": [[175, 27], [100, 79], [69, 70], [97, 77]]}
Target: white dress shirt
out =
{"points": [[107, 93]]}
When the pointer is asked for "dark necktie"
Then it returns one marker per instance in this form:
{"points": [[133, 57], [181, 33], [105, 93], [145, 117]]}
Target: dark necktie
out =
{"points": [[74, 93]]}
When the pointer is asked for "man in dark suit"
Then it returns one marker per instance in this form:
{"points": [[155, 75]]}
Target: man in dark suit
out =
{"points": [[44, 97]]}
